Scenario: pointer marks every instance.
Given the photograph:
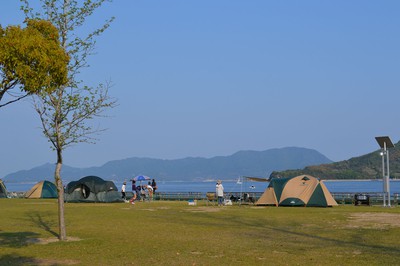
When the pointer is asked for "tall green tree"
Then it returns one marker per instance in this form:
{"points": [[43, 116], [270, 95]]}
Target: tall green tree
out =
{"points": [[67, 112], [31, 60]]}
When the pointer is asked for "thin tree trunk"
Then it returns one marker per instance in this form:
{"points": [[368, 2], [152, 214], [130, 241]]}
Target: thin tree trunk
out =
{"points": [[60, 189]]}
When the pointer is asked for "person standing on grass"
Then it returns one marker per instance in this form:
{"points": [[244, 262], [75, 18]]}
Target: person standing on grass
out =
{"points": [[150, 191], [123, 191], [136, 190], [219, 190], [154, 186]]}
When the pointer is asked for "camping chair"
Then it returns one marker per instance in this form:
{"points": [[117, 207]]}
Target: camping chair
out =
{"points": [[210, 198], [248, 198]]}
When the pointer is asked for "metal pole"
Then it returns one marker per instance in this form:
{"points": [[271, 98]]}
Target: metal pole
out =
{"points": [[241, 189], [385, 143], [387, 178], [383, 177]]}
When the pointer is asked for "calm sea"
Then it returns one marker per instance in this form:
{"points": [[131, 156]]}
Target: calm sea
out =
{"points": [[232, 186]]}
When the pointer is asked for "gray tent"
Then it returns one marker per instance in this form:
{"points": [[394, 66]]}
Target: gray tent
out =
{"points": [[92, 189]]}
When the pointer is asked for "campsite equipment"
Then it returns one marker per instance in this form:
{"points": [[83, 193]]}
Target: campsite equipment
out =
{"points": [[361, 199], [141, 178], [3, 190], [210, 198], [192, 202], [301, 190], [41, 190], [92, 189], [246, 197]]}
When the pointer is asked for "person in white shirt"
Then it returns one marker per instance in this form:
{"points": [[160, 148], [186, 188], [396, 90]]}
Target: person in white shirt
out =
{"points": [[123, 191], [150, 191], [219, 190]]}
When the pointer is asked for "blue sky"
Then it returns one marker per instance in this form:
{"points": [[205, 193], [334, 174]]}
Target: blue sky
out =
{"points": [[209, 78]]}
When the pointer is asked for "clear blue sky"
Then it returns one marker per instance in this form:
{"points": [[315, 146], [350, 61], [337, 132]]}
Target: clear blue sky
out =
{"points": [[209, 78]]}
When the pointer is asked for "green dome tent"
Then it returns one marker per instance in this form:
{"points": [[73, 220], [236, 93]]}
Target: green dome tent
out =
{"points": [[3, 190], [297, 191], [42, 190], [92, 189]]}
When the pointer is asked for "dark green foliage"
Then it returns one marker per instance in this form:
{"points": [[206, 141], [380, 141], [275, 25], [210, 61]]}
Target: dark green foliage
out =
{"points": [[368, 166], [32, 60]]}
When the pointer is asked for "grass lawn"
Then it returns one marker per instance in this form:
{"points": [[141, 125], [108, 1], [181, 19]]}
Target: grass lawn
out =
{"points": [[174, 233]]}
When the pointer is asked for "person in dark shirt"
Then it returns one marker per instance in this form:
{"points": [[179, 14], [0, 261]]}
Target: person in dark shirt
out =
{"points": [[154, 185], [135, 190]]}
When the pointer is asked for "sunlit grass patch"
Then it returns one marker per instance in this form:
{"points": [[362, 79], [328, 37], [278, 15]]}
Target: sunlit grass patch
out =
{"points": [[174, 233]]}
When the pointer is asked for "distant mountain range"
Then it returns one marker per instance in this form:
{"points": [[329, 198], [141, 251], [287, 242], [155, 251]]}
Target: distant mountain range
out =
{"points": [[242, 163], [367, 166]]}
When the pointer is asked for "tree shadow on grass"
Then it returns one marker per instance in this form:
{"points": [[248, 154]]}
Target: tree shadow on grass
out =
{"points": [[380, 249], [16, 239], [16, 260], [22, 239], [37, 219]]}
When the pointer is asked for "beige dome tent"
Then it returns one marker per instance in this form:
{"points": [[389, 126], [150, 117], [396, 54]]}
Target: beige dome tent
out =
{"points": [[43, 189], [301, 190]]}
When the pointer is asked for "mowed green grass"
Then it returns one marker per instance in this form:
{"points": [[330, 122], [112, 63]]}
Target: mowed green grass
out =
{"points": [[174, 233]]}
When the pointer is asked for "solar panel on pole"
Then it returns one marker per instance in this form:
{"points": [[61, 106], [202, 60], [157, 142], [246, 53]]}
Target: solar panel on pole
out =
{"points": [[385, 143]]}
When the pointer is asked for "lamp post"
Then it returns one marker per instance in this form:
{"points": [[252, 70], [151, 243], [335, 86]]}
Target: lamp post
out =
{"points": [[385, 143]]}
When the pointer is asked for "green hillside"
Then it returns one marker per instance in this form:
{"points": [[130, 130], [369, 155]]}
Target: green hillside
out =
{"points": [[368, 166]]}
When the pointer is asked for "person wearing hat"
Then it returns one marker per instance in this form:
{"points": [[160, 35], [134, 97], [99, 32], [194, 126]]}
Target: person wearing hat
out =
{"points": [[219, 190], [123, 190]]}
